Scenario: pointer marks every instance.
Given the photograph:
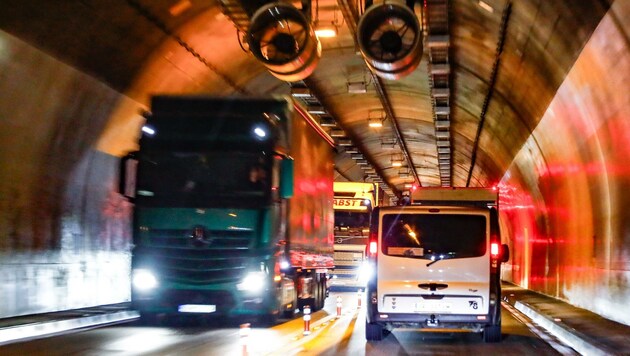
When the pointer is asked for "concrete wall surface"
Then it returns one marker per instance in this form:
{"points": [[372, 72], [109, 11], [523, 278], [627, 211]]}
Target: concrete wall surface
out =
{"points": [[64, 232], [566, 197]]}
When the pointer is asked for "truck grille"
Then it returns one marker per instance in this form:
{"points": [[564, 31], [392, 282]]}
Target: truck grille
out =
{"points": [[221, 257]]}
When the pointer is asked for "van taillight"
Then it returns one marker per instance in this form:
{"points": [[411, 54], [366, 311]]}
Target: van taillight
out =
{"points": [[373, 248], [494, 249]]}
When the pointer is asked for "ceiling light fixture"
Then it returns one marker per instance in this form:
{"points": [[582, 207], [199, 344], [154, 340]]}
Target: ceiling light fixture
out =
{"points": [[298, 92], [486, 7], [376, 118], [327, 31], [357, 87], [316, 110], [396, 162], [180, 7], [375, 123]]}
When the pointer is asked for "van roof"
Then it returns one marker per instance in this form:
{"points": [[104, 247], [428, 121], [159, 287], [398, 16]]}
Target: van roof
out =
{"points": [[455, 196]]}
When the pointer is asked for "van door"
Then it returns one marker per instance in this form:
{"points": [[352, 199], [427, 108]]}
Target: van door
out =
{"points": [[433, 261]]}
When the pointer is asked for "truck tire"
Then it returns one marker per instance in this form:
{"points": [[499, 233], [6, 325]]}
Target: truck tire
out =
{"points": [[321, 294], [373, 332], [492, 333]]}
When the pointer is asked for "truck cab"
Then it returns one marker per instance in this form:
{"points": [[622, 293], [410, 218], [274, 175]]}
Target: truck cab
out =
{"points": [[436, 264], [353, 203]]}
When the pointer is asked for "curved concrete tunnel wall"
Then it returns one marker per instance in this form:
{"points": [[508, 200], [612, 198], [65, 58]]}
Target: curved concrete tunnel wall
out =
{"points": [[64, 234], [566, 197]]}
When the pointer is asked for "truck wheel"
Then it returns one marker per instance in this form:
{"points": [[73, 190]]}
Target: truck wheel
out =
{"points": [[492, 333], [373, 332], [321, 294]]}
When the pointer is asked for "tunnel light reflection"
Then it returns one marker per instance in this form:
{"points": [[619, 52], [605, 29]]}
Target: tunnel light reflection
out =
{"points": [[141, 341]]}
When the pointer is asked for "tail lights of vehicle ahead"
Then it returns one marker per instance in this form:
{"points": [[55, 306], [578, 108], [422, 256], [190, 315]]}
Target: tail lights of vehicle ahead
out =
{"points": [[494, 250], [494, 256], [499, 253], [373, 248], [372, 245]]}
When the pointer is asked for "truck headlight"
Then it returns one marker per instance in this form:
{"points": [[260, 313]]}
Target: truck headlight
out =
{"points": [[144, 279], [253, 282]]}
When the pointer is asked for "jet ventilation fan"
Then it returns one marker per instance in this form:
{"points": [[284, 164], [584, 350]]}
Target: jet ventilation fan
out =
{"points": [[281, 37], [390, 39]]}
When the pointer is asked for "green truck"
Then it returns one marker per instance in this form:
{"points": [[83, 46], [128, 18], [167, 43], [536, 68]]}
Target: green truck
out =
{"points": [[233, 213]]}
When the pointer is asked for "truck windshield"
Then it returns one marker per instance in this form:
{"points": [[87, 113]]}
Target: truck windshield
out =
{"points": [[434, 236], [202, 179], [351, 227], [352, 219]]}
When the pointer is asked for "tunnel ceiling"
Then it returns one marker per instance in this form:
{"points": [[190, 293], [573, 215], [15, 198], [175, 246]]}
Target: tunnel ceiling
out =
{"points": [[487, 73]]}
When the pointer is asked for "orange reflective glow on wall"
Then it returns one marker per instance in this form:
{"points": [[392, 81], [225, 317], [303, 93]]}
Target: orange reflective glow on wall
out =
{"points": [[565, 206]]}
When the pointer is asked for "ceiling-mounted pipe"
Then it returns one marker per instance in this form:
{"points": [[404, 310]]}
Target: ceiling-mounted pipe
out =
{"points": [[493, 77]]}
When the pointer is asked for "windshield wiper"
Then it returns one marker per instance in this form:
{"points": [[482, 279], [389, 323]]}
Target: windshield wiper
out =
{"points": [[440, 258]]}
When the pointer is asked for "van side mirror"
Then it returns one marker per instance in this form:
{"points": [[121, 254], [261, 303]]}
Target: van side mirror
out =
{"points": [[505, 253], [286, 178], [127, 177]]}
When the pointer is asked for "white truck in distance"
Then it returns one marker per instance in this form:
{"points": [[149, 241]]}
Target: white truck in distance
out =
{"points": [[353, 203]]}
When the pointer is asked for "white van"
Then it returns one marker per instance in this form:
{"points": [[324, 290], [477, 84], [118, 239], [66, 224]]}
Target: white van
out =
{"points": [[437, 264]]}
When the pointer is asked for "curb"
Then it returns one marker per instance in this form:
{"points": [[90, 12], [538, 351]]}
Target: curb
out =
{"points": [[35, 330], [569, 336]]}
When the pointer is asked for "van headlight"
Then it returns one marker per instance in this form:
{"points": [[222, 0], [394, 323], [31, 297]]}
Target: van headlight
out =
{"points": [[253, 282], [144, 280]]}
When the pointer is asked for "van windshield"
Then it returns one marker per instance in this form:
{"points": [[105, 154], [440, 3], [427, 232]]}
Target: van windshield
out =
{"points": [[434, 236]]}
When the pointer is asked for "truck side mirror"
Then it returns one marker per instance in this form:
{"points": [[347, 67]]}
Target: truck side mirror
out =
{"points": [[127, 178], [505, 253], [286, 178]]}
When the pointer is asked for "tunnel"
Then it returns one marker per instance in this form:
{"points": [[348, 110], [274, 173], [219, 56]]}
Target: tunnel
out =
{"points": [[533, 98]]}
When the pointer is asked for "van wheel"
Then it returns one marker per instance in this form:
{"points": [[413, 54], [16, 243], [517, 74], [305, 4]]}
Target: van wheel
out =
{"points": [[373, 332], [492, 333]]}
